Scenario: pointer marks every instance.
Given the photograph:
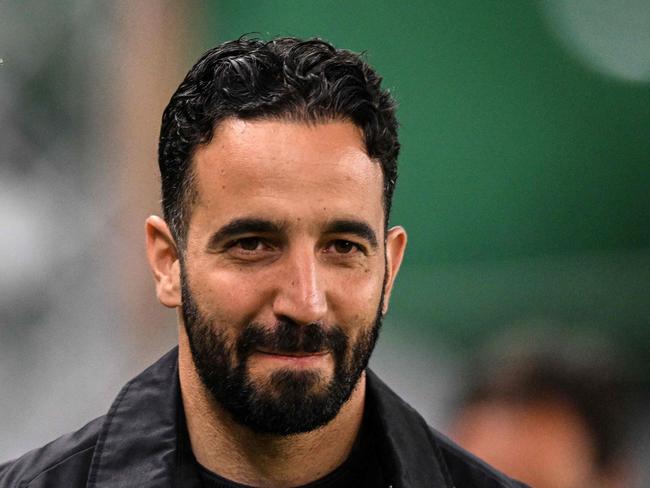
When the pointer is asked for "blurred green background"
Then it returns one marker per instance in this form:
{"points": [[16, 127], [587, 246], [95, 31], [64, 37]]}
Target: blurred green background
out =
{"points": [[524, 173]]}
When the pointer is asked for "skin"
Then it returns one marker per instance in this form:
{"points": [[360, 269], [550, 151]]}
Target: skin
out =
{"points": [[304, 179]]}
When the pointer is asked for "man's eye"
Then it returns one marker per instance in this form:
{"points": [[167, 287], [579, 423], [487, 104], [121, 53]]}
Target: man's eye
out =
{"points": [[248, 243], [344, 247]]}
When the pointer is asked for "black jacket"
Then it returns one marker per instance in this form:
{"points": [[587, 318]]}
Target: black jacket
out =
{"points": [[139, 443]]}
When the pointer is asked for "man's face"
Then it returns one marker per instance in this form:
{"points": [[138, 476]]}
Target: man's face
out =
{"points": [[285, 269]]}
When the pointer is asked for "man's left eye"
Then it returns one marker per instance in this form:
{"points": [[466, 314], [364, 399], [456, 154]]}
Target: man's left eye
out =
{"points": [[344, 247]]}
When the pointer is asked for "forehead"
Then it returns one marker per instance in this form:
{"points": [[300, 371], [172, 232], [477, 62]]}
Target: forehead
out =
{"points": [[288, 170]]}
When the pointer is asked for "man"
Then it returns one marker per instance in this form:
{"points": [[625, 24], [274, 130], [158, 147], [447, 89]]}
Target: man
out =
{"points": [[278, 165]]}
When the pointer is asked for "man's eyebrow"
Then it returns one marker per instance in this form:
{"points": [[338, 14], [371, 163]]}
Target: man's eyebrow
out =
{"points": [[238, 227], [355, 227]]}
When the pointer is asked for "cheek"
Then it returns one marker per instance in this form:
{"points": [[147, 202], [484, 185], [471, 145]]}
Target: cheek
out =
{"points": [[355, 301], [230, 298]]}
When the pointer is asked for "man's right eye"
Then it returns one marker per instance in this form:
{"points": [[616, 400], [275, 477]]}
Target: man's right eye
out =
{"points": [[248, 243]]}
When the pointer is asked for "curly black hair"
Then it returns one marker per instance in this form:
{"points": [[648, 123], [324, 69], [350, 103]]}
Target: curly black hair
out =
{"points": [[285, 78]]}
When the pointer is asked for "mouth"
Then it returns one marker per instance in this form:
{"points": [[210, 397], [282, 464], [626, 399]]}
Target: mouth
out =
{"points": [[296, 358], [294, 354]]}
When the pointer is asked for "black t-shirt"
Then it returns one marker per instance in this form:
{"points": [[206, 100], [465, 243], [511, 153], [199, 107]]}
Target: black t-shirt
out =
{"points": [[362, 469]]}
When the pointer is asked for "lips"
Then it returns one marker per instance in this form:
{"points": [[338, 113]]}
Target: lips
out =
{"points": [[299, 359], [293, 354]]}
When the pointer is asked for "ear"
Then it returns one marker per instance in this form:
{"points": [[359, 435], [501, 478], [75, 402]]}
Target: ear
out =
{"points": [[163, 260], [395, 246]]}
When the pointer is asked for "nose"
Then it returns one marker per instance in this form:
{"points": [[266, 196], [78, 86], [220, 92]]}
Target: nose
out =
{"points": [[300, 290]]}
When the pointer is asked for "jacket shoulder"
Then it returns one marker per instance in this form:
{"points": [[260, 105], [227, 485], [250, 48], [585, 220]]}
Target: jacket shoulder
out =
{"points": [[63, 462], [425, 456], [468, 470]]}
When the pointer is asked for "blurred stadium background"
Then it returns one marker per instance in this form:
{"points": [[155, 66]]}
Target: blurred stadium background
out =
{"points": [[524, 186]]}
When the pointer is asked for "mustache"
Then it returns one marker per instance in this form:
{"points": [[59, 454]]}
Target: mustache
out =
{"points": [[287, 336]]}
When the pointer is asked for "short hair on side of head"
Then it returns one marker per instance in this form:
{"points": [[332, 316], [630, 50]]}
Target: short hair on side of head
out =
{"points": [[286, 78]]}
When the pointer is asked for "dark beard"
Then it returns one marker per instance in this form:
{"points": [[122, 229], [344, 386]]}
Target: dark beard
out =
{"points": [[290, 402]]}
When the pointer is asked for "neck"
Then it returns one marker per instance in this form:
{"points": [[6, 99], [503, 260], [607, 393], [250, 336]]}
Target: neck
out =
{"points": [[235, 452]]}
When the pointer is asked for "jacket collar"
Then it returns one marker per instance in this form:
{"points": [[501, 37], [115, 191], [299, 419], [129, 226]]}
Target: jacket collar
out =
{"points": [[137, 446], [408, 448], [140, 441]]}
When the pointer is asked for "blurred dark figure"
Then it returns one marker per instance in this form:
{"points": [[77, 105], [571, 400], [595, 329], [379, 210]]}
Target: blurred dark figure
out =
{"points": [[548, 416]]}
